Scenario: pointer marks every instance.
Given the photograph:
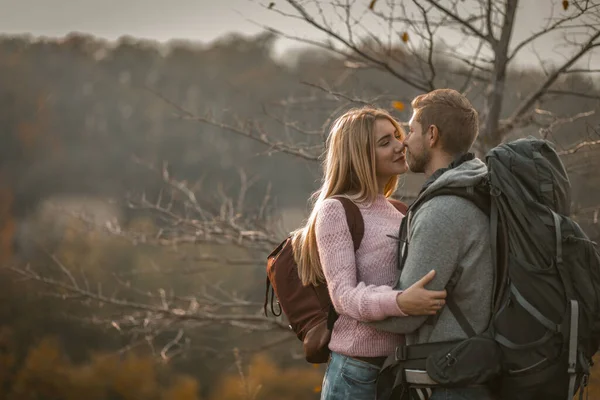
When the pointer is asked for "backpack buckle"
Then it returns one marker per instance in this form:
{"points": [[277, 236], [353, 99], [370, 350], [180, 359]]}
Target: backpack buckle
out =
{"points": [[450, 360], [400, 353]]}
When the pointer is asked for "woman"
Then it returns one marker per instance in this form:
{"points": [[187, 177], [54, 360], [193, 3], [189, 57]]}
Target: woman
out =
{"points": [[364, 157]]}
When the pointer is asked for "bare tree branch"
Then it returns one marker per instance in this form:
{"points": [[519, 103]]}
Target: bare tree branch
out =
{"points": [[579, 146], [251, 132], [488, 18], [533, 97], [581, 71], [249, 321], [573, 93], [430, 46], [545, 131], [488, 38], [339, 95], [387, 67], [471, 74], [292, 125], [548, 29]]}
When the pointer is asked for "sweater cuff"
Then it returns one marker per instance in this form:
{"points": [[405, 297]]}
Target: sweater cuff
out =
{"points": [[389, 305]]}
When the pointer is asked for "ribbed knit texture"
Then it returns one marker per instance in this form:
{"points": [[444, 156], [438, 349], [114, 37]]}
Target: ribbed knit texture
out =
{"points": [[360, 284]]}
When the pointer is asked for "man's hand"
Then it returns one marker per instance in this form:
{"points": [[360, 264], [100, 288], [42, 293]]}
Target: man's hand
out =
{"points": [[416, 300]]}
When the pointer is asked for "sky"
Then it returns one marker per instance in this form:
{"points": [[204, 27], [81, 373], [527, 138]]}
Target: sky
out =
{"points": [[201, 20], [197, 20]]}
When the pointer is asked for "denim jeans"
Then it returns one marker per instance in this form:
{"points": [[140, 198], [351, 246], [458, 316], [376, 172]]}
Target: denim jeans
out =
{"points": [[348, 378], [470, 393]]}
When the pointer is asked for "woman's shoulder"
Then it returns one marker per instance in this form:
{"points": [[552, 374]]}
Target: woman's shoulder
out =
{"points": [[380, 205], [331, 205], [400, 206], [332, 211]]}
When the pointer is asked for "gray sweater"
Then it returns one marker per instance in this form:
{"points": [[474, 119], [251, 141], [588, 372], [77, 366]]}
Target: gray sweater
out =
{"points": [[444, 233]]}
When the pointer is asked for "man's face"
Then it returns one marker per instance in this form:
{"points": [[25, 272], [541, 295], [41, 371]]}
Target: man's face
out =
{"points": [[417, 149]]}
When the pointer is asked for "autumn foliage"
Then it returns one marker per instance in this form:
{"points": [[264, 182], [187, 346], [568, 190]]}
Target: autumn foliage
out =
{"points": [[263, 380], [46, 373], [7, 222]]}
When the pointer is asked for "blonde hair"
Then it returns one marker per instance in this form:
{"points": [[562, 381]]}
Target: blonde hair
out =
{"points": [[454, 116], [349, 169]]}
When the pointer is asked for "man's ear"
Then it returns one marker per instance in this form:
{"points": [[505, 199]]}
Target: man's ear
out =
{"points": [[434, 135]]}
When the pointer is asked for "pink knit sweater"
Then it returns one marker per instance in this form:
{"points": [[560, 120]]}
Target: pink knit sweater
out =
{"points": [[360, 284]]}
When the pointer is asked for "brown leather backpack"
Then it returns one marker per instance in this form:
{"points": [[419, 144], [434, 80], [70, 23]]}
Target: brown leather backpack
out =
{"points": [[308, 308]]}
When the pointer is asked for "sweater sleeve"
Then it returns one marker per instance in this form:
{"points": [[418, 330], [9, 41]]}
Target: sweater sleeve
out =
{"points": [[336, 252], [432, 227]]}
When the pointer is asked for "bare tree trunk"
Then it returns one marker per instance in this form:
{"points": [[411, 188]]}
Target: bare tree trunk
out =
{"points": [[491, 135]]}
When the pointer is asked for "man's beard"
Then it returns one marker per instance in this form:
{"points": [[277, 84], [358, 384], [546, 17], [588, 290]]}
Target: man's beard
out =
{"points": [[417, 163]]}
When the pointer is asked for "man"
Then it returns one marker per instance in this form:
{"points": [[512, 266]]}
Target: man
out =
{"points": [[447, 233]]}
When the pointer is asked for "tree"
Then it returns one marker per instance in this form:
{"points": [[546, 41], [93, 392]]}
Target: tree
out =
{"points": [[425, 39]]}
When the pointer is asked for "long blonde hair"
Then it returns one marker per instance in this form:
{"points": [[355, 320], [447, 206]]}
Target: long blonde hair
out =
{"points": [[349, 169]]}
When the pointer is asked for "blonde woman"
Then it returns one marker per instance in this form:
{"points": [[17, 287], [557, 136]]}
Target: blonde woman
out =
{"points": [[365, 155]]}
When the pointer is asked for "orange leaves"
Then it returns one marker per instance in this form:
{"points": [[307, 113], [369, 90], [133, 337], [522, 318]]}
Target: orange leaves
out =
{"points": [[565, 4], [42, 374], [372, 4], [398, 105], [404, 37], [46, 373], [262, 379], [183, 388]]}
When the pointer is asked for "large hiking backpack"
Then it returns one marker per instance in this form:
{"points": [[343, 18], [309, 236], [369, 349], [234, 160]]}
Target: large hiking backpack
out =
{"points": [[545, 324], [308, 308]]}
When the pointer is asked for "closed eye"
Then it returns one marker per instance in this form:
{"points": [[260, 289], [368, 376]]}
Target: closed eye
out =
{"points": [[385, 140]]}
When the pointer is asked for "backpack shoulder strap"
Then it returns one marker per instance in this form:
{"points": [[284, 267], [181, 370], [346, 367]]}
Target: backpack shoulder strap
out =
{"points": [[354, 219], [475, 194], [400, 206], [356, 224]]}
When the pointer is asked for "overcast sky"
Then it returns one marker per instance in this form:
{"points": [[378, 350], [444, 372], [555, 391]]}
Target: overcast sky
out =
{"points": [[199, 20], [202, 20]]}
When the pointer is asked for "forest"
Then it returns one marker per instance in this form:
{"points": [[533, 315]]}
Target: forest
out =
{"points": [[142, 185]]}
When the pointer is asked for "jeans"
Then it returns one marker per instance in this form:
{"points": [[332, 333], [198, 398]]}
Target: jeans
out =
{"points": [[348, 378], [470, 393]]}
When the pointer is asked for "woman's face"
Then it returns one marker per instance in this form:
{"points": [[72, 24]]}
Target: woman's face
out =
{"points": [[390, 159]]}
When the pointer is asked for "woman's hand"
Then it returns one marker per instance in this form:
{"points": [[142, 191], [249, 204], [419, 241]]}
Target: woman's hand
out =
{"points": [[416, 300]]}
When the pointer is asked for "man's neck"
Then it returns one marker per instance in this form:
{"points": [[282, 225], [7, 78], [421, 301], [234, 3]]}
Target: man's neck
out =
{"points": [[437, 161]]}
